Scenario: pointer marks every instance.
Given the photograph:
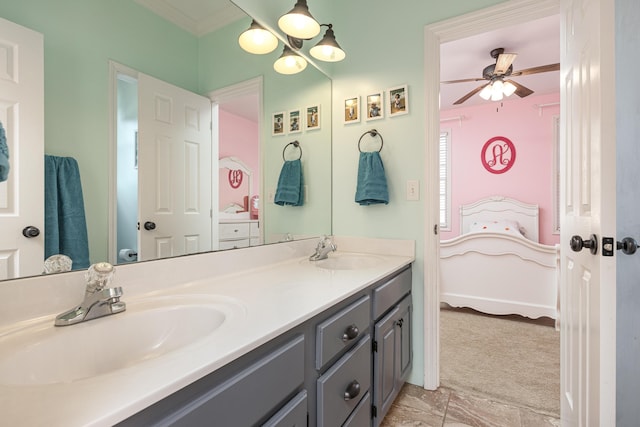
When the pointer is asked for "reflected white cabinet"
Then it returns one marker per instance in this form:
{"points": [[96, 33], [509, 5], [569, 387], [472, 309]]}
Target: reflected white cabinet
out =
{"points": [[238, 234]]}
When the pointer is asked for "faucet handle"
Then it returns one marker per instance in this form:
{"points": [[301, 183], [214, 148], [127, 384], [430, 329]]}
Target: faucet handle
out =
{"points": [[99, 276]]}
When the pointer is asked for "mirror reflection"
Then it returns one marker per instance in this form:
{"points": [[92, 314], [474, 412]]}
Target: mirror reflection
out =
{"points": [[96, 54]]}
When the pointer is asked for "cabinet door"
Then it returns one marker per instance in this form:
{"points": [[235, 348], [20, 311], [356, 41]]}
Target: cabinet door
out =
{"points": [[405, 325]]}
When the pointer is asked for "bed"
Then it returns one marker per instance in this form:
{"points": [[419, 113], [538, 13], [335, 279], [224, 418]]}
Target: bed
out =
{"points": [[497, 264]]}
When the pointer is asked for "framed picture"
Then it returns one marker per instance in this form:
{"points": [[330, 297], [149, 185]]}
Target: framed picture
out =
{"points": [[375, 104], [352, 110], [398, 100], [277, 123], [295, 121], [312, 117]]}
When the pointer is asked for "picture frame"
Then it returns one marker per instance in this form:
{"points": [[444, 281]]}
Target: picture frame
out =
{"points": [[294, 122], [278, 123], [351, 110], [398, 100], [375, 106], [312, 117]]}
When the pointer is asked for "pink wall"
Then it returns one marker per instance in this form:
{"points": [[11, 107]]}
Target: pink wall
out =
{"points": [[531, 177], [238, 138]]}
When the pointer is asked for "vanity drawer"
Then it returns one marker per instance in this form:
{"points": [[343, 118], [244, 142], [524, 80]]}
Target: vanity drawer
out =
{"points": [[341, 330], [361, 416], [350, 374], [293, 414], [389, 293], [238, 230]]}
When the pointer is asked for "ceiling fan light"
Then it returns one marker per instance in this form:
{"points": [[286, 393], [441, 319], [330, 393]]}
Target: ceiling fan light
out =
{"points": [[328, 48], [299, 23], [485, 93], [508, 88], [289, 62], [257, 40]]}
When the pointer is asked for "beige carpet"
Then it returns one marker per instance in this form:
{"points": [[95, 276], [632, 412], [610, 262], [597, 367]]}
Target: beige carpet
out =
{"points": [[507, 358]]}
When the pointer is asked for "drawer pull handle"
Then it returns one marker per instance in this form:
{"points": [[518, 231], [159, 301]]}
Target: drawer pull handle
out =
{"points": [[350, 333], [353, 389]]}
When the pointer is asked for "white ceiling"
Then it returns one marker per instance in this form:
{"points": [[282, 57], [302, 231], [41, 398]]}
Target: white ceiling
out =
{"points": [[536, 43]]}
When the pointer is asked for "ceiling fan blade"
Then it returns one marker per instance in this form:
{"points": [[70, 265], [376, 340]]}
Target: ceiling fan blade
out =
{"points": [[521, 91], [536, 70], [470, 94], [463, 80], [503, 63]]}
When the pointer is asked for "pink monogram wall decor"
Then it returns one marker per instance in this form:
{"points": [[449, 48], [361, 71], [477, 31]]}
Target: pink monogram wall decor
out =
{"points": [[498, 155], [235, 178]]}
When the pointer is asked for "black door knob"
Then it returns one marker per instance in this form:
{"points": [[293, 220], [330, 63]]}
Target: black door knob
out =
{"points": [[629, 246], [149, 225], [30, 232], [577, 244]]}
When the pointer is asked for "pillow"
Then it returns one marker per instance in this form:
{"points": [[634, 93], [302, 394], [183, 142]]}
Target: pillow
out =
{"points": [[501, 226]]}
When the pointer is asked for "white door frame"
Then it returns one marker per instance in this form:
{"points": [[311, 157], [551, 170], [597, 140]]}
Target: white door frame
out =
{"points": [[502, 15]]}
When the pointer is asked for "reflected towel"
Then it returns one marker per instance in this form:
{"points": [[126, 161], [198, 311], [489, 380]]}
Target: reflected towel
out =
{"points": [[372, 183], [290, 186], [4, 155], [64, 218]]}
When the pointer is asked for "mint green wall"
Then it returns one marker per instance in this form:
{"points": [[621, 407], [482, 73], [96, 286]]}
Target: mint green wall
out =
{"points": [[80, 37], [223, 63]]}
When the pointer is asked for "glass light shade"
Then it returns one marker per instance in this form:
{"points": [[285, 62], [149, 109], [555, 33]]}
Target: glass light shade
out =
{"points": [[496, 90], [289, 62], [299, 23], [257, 40], [485, 93], [508, 88], [328, 48]]}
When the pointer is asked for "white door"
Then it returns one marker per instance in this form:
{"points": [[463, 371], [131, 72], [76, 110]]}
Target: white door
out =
{"points": [[174, 170], [22, 116], [588, 188]]}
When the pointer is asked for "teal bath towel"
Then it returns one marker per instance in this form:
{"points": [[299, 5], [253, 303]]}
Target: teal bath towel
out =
{"points": [[64, 218], [4, 155], [372, 183], [290, 185]]}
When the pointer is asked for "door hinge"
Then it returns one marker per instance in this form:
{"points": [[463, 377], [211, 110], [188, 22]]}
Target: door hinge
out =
{"points": [[374, 411], [374, 346]]}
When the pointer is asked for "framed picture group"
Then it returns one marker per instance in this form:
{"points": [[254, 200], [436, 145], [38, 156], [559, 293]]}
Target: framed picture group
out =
{"points": [[376, 104], [296, 120]]}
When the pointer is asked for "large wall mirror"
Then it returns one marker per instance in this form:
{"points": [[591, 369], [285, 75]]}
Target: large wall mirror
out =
{"points": [[97, 52]]}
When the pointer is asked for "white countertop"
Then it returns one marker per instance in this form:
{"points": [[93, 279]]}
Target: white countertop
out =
{"points": [[273, 298]]}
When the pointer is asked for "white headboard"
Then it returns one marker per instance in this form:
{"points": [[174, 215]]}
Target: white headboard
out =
{"points": [[496, 208]]}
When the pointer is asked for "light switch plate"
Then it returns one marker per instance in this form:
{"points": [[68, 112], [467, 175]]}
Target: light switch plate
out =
{"points": [[413, 189]]}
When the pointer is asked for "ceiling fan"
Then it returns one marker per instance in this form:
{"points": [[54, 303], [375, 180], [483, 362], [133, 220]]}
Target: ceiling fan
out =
{"points": [[497, 85]]}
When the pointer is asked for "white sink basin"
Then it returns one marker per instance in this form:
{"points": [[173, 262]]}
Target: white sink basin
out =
{"points": [[150, 328], [348, 261]]}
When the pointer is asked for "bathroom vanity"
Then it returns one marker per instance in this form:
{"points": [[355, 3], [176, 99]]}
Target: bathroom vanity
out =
{"points": [[295, 342]]}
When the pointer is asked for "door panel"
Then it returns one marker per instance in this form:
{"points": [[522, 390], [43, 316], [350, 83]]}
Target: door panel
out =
{"points": [[22, 116], [174, 170]]}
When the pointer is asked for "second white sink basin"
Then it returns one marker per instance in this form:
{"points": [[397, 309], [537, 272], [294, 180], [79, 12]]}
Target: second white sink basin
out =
{"points": [[348, 261], [149, 328]]}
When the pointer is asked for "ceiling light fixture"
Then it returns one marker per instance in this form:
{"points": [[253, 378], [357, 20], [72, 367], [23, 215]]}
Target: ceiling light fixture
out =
{"points": [[497, 89], [289, 62], [328, 48], [256, 39], [299, 23]]}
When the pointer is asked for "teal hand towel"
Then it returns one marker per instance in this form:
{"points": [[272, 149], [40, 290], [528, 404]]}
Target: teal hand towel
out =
{"points": [[64, 218], [4, 155], [290, 184], [372, 182]]}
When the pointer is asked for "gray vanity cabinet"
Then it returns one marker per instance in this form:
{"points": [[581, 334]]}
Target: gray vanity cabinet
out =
{"points": [[342, 367]]}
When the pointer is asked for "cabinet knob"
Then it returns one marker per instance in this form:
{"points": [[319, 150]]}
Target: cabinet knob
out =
{"points": [[350, 333], [353, 389]]}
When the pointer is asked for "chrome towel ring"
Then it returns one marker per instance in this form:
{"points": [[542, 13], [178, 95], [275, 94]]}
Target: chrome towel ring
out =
{"points": [[373, 133], [295, 144]]}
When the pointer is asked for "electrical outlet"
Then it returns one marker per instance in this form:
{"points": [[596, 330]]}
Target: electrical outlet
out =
{"points": [[413, 190]]}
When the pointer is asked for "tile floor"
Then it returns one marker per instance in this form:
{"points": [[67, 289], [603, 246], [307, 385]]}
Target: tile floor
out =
{"points": [[416, 407]]}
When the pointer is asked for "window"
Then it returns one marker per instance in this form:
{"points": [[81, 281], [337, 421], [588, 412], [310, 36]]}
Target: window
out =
{"points": [[445, 179]]}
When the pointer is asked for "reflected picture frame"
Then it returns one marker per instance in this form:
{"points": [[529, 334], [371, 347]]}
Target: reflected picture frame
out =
{"points": [[398, 100], [375, 106], [351, 113], [312, 117], [294, 121], [278, 123]]}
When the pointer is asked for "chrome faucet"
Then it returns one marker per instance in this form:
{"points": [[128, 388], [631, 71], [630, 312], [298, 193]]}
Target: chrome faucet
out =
{"points": [[325, 245], [99, 300]]}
